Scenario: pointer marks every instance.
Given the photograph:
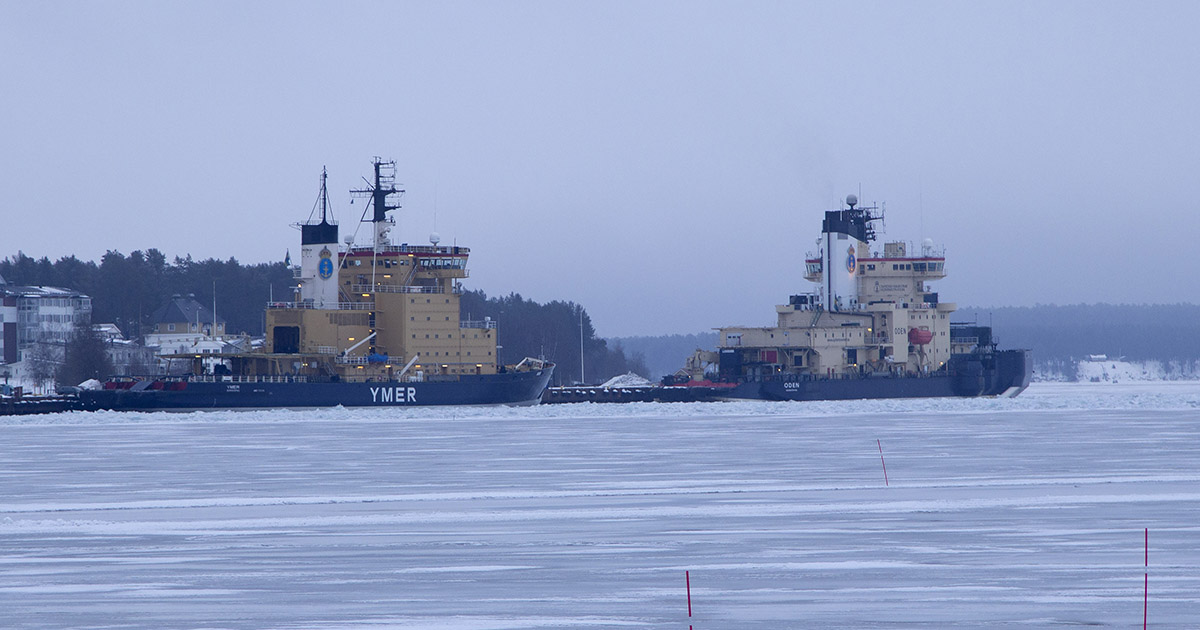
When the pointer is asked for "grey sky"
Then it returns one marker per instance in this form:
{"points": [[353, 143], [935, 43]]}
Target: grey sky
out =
{"points": [[665, 164]]}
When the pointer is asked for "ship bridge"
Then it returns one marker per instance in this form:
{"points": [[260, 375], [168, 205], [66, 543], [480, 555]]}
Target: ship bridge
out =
{"points": [[891, 275]]}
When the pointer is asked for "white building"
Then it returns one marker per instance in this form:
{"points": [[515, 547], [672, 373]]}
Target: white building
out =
{"points": [[36, 317], [185, 326], [129, 358], [8, 326], [30, 315]]}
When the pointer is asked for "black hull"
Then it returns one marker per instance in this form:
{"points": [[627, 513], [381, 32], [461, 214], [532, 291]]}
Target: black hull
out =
{"points": [[1002, 373], [512, 388]]}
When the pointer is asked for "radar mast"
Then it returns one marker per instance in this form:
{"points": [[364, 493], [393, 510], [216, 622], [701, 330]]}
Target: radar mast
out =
{"points": [[384, 197]]}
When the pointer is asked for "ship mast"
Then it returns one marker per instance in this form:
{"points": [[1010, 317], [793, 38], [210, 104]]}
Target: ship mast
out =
{"points": [[324, 196], [384, 198], [379, 192]]}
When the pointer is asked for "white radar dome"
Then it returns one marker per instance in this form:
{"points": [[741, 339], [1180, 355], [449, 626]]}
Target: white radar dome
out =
{"points": [[851, 200], [435, 238], [349, 239]]}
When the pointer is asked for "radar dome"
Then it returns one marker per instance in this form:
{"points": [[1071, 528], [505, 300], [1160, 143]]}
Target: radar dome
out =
{"points": [[851, 200], [435, 238], [349, 239], [928, 243]]}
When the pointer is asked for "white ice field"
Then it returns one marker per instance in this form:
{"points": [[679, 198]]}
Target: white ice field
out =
{"points": [[1022, 513]]}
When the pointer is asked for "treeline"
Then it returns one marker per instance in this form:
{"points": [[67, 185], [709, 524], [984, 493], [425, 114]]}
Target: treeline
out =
{"points": [[551, 330], [666, 354], [126, 290], [1138, 332]]}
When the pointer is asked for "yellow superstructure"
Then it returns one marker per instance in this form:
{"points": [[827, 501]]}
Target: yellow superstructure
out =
{"points": [[396, 304]]}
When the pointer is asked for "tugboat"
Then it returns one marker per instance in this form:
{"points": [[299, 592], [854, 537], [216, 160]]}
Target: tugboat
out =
{"points": [[368, 326], [873, 329]]}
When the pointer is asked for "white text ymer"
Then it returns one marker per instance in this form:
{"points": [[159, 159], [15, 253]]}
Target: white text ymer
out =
{"points": [[393, 394]]}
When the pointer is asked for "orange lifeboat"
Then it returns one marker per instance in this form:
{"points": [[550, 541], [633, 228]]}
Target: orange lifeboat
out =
{"points": [[919, 337]]}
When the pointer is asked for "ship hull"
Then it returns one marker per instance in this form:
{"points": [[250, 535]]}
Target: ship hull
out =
{"points": [[1002, 373], [512, 388]]}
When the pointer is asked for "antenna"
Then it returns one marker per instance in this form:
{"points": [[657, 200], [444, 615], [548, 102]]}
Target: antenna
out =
{"points": [[324, 195]]}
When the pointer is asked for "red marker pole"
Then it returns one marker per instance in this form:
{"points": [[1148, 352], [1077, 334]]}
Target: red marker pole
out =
{"points": [[885, 479], [688, 579], [1146, 592]]}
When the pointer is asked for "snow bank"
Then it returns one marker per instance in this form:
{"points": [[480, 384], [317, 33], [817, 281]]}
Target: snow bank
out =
{"points": [[1105, 370], [627, 380]]}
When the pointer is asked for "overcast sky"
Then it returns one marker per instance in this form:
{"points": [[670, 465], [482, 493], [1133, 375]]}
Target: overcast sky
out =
{"points": [[664, 164]]}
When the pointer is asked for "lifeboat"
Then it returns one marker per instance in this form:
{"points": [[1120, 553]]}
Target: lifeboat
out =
{"points": [[919, 337]]}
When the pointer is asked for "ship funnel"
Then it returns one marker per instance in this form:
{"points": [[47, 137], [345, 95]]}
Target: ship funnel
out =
{"points": [[318, 257]]}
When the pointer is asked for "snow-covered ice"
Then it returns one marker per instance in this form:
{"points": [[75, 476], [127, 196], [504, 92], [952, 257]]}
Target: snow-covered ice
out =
{"points": [[999, 513]]}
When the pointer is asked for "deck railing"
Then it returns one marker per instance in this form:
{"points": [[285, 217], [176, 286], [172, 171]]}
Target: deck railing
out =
{"points": [[341, 306], [393, 288], [210, 378], [413, 249]]}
